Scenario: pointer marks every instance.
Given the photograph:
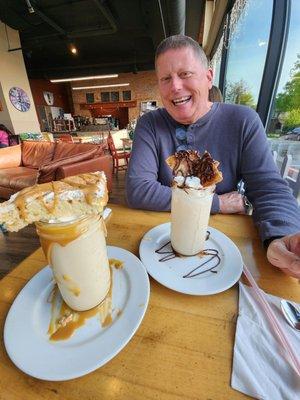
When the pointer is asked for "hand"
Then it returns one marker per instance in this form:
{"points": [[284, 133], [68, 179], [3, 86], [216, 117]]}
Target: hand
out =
{"points": [[284, 253], [232, 203]]}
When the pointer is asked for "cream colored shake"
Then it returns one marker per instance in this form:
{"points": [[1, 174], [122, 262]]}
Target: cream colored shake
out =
{"points": [[192, 193], [77, 253], [190, 211], [68, 218]]}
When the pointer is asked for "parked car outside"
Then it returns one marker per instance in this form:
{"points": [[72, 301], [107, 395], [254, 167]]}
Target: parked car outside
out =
{"points": [[293, 134]]}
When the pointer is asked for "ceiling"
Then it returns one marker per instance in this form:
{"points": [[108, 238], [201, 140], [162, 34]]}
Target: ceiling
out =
{"points": [[111, 36]]}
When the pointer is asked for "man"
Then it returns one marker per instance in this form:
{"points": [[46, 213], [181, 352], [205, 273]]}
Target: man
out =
{"points": [[233, 134]]}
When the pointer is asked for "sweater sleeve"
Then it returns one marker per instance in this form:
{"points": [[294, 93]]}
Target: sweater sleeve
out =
{"points": [[276, 212], [143, 190]]}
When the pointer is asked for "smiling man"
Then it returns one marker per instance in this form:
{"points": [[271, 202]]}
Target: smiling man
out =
{"points": [[184, 80], [232, 134]]}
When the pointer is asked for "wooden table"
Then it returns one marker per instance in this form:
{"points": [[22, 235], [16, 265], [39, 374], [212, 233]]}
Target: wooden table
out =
{"points": [[184, 346]]}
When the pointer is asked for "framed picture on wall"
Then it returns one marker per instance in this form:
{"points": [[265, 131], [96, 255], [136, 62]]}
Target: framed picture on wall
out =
{"points": [[126, 95], [90, 98], [105, 97], [114, 96]]}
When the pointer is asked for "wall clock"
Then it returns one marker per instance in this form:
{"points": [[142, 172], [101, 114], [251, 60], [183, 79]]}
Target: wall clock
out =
{"points": [[19, 99]]}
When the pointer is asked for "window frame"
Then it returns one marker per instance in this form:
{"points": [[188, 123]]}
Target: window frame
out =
{"points": [[277, 43]]}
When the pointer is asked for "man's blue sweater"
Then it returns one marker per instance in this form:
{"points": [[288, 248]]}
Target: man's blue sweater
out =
{"points": [[233, 135]]}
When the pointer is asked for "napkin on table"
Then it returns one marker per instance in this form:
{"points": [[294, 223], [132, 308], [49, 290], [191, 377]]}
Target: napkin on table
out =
{"points": [[260, 368]]}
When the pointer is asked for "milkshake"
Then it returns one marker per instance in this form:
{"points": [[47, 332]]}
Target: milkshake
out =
{"points": [[67, 214], [76, 251], [193, 186], [190, 210]]}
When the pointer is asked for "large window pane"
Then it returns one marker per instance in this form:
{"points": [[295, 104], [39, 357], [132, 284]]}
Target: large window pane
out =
{"points": [[284, 126], [286, 108], [249, 35]]}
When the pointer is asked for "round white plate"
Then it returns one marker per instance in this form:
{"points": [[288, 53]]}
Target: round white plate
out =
{"points": [[170, 273], [91, 346]]}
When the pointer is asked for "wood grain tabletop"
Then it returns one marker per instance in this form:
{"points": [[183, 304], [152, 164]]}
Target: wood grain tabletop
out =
{"points": [[184, 346]]}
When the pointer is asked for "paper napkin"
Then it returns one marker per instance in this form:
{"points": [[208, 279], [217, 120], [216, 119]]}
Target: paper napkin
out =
{"points": [[260, 368]]}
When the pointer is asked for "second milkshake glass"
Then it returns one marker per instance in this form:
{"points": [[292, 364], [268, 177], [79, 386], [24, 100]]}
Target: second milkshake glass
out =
{"points": [[190, 211]]}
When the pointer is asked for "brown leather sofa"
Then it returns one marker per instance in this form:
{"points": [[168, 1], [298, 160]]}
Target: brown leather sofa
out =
{"points": [[38, 162]]}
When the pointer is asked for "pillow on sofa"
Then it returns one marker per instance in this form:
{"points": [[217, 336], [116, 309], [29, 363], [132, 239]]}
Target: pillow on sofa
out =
{"points": [[47, 171], [64, 149], [10, 157], [34, 154]]}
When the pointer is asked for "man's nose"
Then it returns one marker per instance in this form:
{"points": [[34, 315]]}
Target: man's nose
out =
{"points": [[176, 83]]}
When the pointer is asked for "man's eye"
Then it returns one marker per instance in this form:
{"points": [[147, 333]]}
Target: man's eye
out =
{"points": [[165, 79], [185, 74]]}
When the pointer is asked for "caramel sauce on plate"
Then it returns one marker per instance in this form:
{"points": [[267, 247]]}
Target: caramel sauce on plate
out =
{"points": [[64, 321]]}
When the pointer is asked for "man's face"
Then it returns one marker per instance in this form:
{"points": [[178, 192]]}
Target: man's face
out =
{"points": [[183, 84]]}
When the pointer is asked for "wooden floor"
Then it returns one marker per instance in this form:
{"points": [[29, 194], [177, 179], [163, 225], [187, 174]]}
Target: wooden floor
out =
{"points": [[15, 246]]}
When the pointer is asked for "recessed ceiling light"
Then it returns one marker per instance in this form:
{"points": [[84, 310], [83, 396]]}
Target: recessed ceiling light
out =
{"points": [[84, 78], [100, 86], [73, 49]]}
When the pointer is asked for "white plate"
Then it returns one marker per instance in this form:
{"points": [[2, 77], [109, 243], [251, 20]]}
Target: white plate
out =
{"points": [[170, 273], [26, 325]]}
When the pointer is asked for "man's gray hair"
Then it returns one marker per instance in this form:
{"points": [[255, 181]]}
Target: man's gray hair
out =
{"points": [[179, 42]]}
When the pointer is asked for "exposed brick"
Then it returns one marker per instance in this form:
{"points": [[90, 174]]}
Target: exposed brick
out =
{"points": [[143, 86]]}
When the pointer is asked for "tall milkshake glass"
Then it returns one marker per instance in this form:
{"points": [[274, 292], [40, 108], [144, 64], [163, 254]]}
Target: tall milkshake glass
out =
{"points": [[190, 211], [76, 251]]}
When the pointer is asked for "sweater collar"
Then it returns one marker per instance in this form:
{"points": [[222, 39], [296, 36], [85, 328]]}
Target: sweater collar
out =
{"points": [[201, 121]]}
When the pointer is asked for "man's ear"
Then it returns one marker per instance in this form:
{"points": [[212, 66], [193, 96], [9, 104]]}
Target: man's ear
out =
{"points": [[210, 76]]}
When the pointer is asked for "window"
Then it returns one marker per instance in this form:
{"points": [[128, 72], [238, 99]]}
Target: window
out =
{"points": [[127, 95], [216, 63], [90, 98], [249, 34], [105, 97], [114, 96], [285, 114]]}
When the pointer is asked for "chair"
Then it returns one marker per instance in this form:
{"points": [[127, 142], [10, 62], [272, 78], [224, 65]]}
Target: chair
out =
{"points": [[117, 155]]}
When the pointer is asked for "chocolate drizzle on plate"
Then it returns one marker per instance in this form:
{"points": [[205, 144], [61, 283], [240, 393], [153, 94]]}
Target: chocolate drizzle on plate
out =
{"points": [[214, 253], [214, 259]]}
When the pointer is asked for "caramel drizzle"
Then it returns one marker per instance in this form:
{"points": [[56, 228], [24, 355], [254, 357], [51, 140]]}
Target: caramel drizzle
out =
{"points": [[170, 254], [72, 320], [189, 163], [61, 234], [87, 183]]}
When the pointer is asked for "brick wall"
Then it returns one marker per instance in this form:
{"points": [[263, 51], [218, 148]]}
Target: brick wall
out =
{"points": [[59, 90], [143, 86]]}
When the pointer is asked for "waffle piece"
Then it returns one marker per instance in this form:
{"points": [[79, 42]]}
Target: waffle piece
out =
{"points": [[190, 163], [55, 201]]}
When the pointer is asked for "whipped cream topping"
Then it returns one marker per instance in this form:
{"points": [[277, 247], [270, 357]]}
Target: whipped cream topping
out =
{"points": [[192, 182]]}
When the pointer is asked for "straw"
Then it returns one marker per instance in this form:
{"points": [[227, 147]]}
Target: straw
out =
{"points": [[293, 358]]}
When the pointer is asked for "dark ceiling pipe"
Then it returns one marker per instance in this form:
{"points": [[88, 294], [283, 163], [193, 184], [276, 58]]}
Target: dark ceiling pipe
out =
{"points": [[48, 20], [177, 16], [77, 34], [172, 15], [95, 65]]}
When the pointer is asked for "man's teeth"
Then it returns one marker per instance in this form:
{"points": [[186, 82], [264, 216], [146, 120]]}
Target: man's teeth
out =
{"points": [[182, 100]]}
